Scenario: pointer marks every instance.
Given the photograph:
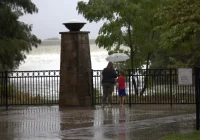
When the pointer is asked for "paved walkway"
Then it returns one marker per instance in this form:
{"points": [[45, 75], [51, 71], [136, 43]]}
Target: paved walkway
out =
{"points": [[140, 122]]}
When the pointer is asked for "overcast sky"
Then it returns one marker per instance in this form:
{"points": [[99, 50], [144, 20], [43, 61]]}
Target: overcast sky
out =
{"points": [[48, 21]]}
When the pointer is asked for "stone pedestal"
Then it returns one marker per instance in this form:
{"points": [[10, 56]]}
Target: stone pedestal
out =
{"points": [[75, 70]]}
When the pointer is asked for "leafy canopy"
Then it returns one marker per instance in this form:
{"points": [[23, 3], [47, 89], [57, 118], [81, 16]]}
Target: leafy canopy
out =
{"points": [[181, 32], [15, 36], [163, 32], [182, 21], [126, 23]]}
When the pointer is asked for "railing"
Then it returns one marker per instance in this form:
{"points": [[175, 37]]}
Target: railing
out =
{"points": [[161, 88], [29, 87], [42, 88]]}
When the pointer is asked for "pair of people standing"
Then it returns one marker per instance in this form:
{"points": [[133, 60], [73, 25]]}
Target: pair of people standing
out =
{"points": [[108, 82]]}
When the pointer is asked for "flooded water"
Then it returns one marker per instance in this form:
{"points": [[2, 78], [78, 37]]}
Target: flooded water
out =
{"points": [[139, 122], [47, 57]]}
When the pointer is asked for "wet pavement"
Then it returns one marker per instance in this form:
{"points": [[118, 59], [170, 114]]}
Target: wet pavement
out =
{"points": [[138, 122]]}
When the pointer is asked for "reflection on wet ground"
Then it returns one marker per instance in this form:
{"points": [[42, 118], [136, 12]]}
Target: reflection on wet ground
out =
{"points": [[139, 122]]}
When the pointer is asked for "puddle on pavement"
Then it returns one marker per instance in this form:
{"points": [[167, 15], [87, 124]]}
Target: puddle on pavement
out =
{"points": [[139, 122]]}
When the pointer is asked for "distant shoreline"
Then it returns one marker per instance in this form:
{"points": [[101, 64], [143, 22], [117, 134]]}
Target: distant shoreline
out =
{"points": [[57, 42]]}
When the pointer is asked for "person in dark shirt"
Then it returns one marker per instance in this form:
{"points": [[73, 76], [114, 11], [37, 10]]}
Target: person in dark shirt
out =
{"points": [[108, 82]]}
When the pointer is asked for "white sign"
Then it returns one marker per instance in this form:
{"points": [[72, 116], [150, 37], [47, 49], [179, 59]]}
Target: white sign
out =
{"points": [[185, 76]]}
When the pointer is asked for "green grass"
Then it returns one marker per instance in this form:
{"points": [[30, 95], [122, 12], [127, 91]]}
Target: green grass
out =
{"points": [[188, 136]]}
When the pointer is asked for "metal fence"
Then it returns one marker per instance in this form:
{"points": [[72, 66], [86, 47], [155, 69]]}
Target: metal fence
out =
{"points": [[155, 86], [29, 87]]}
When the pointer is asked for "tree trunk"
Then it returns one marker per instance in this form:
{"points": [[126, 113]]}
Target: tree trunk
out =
{"points": [[146, 77], [132, 60]]}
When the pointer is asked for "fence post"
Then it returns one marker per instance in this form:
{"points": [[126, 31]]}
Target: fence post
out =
{"points": [[129, 81], [92, 90], [197, 96], [6, 88], [170, 86]]}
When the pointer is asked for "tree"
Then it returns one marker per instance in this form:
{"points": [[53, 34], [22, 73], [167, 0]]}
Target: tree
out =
{"points": [[127, 23], [15, 36], [181, 32]]}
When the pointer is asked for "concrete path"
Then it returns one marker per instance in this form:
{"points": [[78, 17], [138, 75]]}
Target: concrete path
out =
{"points": [[140, 122]]}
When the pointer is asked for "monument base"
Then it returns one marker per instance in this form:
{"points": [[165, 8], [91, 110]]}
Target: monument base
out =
{"points": [[75, 70]]}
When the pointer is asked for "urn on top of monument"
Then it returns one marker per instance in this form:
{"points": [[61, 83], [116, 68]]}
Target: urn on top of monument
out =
{"points": [[74, 25]]}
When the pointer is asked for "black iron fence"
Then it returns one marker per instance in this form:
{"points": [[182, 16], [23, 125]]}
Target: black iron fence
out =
{"points": [[29, 87], [153, 86]]}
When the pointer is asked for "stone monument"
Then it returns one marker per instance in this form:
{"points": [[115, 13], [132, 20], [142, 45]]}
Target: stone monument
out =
{"points": [[75, 66]]}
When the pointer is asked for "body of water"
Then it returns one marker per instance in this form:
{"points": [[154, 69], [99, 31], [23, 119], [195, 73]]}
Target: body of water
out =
{"points": [[47, 57]]}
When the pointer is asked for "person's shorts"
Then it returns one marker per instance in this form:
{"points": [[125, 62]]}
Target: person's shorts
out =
{"points": [[122, 92], [108, 89]]}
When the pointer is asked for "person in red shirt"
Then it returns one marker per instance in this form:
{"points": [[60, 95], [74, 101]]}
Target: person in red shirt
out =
{"points": [[121, 88]]}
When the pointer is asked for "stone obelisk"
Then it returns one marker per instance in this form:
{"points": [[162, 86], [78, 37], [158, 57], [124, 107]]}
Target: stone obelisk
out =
{"points": [[75, 67]]}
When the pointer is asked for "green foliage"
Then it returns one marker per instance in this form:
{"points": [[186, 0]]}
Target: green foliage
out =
{"points": [[127, 23], [180, 32], [15, 36], [183, 18], [165, 33], [110, 11], [188, 136], [159, 59], [12, 91], [96, 92], [16, 96]]}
